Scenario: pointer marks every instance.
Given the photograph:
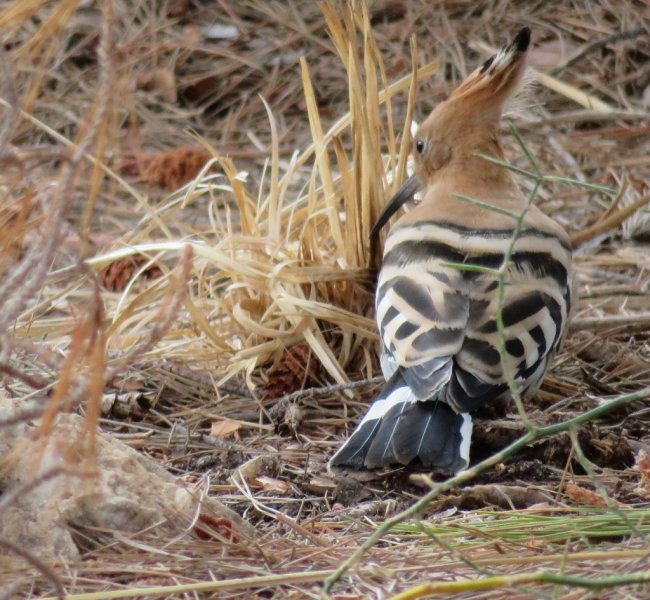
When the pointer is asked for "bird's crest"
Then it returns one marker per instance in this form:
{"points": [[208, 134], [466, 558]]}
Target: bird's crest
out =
{"points": [[486, 90]]}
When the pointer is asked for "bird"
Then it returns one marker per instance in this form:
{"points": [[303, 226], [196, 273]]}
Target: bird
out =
{"points": [[444, 351]]}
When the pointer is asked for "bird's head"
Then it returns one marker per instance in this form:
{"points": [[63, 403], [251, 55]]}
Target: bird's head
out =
{"points": [[465, 123]]}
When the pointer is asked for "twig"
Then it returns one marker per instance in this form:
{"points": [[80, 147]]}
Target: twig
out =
{"points": [[282, 403], [640, 320], [11, 120], [508, 581], [588, 467], [610, 39], [33, 381], [37, 564], [242, 486], [501, 289], [28, 276], [50, 358], [22, 416], [204, 379], [583, 116], [181, 433], [610, 222], [240, 583]]}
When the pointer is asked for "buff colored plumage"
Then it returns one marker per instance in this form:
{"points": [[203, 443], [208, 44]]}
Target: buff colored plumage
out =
{"points": [[437, 322]]}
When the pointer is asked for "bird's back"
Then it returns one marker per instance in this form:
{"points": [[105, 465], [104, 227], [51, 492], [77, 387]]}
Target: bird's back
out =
{"points": [[441, 272]]}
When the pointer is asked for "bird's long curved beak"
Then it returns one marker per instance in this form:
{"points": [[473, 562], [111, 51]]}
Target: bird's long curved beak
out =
{"points": [[404, 194]]}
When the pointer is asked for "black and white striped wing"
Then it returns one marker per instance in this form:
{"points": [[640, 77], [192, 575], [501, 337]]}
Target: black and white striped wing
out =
{"points": [[535, 310], [440, 338], [535, 305], [422, 313]]}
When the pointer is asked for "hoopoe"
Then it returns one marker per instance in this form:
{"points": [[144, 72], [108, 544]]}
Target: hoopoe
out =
{"points": [[438, 322]]}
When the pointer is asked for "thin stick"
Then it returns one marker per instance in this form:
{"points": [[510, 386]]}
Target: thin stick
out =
{"points": [[610, 39], [37, 564], [239, 583], [280, 405], [509, 581], [640, 320], [612, 221]]}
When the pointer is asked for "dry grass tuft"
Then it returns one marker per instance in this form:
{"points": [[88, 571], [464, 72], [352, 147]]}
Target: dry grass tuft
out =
{"points": [[193, 309]]}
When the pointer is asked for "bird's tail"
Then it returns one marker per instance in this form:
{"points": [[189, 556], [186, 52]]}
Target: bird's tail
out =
{"points": [[399, 429]]}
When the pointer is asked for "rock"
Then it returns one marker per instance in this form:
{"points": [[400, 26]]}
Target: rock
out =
{"points": [[127, 491]]}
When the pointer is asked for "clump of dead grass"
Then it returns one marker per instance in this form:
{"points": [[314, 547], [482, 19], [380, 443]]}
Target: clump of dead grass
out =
{"points": [[281, 260], [289, 265]]}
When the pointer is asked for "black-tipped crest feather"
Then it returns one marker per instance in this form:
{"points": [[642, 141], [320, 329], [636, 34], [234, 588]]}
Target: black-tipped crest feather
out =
{"points": [[522, 40]]}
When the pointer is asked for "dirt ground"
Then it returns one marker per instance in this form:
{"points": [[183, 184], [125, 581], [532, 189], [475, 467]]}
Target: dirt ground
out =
{"points": [[221, 388]]}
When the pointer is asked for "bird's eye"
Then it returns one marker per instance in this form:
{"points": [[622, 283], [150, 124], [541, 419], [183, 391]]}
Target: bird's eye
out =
{"points": [[419, 146]]}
